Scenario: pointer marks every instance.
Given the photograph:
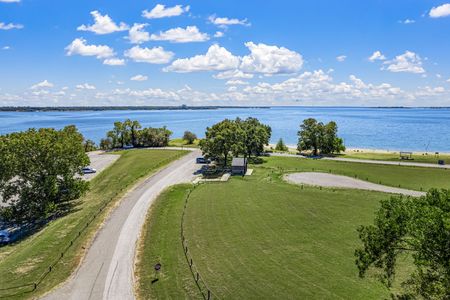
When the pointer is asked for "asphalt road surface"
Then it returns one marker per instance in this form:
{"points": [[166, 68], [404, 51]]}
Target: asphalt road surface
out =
{"points": [[100, 161], [106, 271], [339, 181]]}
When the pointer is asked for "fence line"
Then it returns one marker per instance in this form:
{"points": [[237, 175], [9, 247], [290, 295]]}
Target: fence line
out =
{"points": [[199, 280], [31, 287]]}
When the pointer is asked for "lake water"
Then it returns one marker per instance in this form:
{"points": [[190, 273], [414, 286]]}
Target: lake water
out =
{"points": [[416, 129]]}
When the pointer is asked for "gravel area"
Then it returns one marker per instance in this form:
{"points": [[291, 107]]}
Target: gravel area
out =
{"points": [[339, 181]]}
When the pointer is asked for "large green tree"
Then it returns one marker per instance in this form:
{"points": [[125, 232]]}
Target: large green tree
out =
{"points": [[154, 137], [221, 139], [415, 228], [255, 136], [40, 172], [235, 137], [131, 132], [132, 127], [318, 137], [189, 137], [120, 136]]}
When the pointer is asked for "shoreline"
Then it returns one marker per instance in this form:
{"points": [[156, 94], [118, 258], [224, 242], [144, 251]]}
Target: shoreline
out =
{"points": [[354, 150]]}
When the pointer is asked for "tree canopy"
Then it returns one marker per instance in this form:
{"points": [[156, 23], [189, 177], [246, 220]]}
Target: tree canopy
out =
{"points": [[40, 172], [281, 146], [131, 133], [319, 137], [189, 137], [418, 228], [236, 137]]}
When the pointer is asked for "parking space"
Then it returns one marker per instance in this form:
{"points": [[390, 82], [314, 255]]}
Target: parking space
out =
{"points": [[99, 162]]}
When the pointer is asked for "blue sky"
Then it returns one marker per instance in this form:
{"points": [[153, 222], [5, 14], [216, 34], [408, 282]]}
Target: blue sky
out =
{"points": [[366, 53]]}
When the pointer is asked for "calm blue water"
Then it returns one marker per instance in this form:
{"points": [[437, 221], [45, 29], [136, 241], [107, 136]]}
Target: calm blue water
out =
{"points": [[417, 129]]}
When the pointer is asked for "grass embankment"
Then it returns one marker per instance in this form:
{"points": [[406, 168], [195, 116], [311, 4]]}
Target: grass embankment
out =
{"points": [[259, 237], [430, 158], [160, 243], [183, 143], [24, 262]]}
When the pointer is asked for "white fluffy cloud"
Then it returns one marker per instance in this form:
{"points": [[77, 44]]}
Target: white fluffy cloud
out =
{"points": [[218, 34], [216, 59], [407, 21], [79, 46], [156, 55], [224, 22], [103, 24], [181, 35], [9, 26], [137, 35], [236, 82], [341, 58], [139, 77], [114, 62], [440, 11], [233, 74], [42, 85], [377, 55], [161, 11], [85, 86], [269, 60], [263, 59], [407, 62], [320, 85]]}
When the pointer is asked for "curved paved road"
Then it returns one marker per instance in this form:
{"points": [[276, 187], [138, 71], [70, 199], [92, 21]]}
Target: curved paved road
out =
{"points": [[339, 181], [107, 269]]}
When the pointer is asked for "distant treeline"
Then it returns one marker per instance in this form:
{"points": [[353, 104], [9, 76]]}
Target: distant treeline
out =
{"points": [[103, 108]]}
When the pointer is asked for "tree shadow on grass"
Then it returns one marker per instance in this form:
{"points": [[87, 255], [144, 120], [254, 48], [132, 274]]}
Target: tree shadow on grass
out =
{"points": [[19, 232]]}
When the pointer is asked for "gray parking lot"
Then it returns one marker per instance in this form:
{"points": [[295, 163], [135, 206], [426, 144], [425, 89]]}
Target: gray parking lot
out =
{"points": [[100, 161]]}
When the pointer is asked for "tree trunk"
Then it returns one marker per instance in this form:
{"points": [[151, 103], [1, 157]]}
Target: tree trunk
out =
{"points": [[226, 159]]}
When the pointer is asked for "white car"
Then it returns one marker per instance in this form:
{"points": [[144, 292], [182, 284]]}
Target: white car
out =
{"points": [[88, 170]]}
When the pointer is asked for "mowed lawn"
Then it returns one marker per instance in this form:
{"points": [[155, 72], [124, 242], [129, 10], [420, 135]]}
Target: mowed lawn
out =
{"points": [[23, 262], [160, 243], [395, 156], [415, 178], [261, 238]]}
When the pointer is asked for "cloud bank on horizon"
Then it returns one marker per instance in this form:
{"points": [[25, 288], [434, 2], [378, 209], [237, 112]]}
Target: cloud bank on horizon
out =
{"points": [[197, 53]]}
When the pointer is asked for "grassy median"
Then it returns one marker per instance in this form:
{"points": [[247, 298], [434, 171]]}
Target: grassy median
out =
{"points": [[23, 263], [259, 237]]}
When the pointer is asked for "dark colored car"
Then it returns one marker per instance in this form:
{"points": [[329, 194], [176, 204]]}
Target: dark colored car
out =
{"points": [[88, 170], [202, 160], [4, 237]]}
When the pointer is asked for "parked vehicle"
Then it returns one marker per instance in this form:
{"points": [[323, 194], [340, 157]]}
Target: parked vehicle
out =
{"points": [[202, 160], [4, 237], [88, 170]]}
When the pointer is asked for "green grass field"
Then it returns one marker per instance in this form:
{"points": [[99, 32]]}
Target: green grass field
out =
{"points": [[160, 243], [395, 156], [413, 178], [258, 237], [25, 261], [183, 143]]}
